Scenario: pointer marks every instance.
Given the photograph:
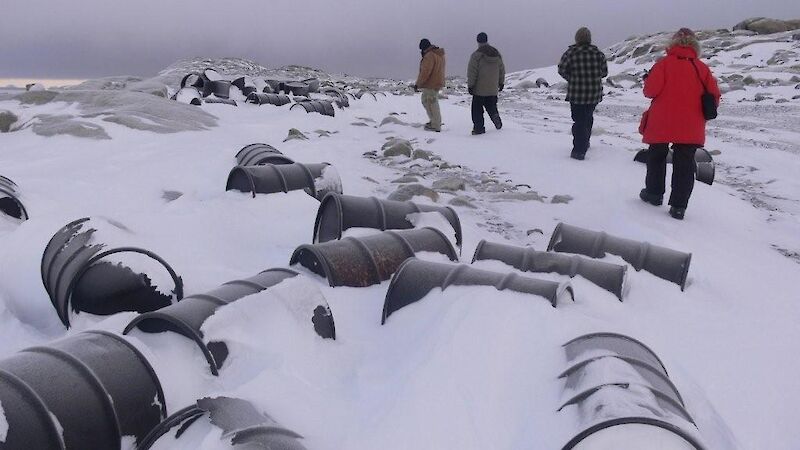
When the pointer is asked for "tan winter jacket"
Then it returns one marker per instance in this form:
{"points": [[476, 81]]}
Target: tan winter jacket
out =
{"points": [[431, 69], [486, 71]]}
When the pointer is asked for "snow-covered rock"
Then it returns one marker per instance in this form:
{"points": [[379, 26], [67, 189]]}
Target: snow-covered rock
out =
{"points": [[763, 25], [88, 112]]}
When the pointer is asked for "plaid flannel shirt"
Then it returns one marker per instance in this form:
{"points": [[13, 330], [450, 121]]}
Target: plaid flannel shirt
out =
{"points": [[584, 67]]}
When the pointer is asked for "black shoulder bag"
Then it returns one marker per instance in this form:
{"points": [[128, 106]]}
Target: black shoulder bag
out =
{"points": [[708, 101]]}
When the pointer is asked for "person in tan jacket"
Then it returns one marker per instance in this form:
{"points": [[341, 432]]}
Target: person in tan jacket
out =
{"points": [[430, 80]]}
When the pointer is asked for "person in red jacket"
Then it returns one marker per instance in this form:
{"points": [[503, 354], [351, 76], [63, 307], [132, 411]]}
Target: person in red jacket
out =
{"points": [[676, 84]]}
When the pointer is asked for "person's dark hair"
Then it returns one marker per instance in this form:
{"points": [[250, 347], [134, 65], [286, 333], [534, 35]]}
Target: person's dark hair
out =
{"points": [[583, 36], [482, 38], [424, 44]]}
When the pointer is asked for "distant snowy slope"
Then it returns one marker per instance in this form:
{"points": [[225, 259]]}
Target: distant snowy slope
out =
{"points": [[746, 64]]}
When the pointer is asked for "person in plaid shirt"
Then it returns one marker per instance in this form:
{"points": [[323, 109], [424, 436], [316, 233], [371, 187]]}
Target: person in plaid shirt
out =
{"points": [[583, 66]]}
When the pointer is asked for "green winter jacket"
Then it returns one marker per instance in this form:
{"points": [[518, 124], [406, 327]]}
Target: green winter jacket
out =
{"points": [[486, 71]]}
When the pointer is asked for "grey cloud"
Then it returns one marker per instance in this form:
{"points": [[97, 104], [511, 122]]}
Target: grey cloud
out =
{"points": [[88, 38]]}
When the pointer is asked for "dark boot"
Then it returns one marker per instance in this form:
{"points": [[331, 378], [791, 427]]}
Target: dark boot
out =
{"points": [[677, 213], [498, 123], [653, 199]]}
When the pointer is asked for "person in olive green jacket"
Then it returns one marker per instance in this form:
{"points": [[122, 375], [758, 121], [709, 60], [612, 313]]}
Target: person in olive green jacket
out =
{"points": [[486, 76], [430, 80]]}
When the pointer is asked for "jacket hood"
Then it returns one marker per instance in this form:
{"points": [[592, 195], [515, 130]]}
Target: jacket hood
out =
{"points": [[488, 50], [682, 51], [438, 50]]}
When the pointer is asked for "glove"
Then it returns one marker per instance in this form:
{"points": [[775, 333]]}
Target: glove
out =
{"points": [[471, 91], [501, 87]]}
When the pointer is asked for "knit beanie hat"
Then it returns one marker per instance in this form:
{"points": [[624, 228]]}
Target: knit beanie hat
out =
{"points": [[423, 44], [483, 38]]}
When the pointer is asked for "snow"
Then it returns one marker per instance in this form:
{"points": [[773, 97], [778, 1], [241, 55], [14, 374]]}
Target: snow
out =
{"points": [[470, 367], [3, 424], [128, 443], [434, 219], [328, 181]]}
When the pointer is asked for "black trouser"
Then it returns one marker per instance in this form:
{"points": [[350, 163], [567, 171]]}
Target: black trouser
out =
{"points": [[683, 169], [583, 118], [479, 103]]}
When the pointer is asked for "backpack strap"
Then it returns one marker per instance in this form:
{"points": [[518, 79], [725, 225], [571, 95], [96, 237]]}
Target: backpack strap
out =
{"points": [[697, 71]]}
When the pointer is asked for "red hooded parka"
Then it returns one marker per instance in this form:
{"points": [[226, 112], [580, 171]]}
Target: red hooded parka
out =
{"points": [[676, 113]]}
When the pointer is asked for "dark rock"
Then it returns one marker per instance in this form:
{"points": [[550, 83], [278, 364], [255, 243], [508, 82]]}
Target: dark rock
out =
{"points": [[392, 120], [53, 125], [462, 201], [535, 230], [7, 118], [781, 57], [450, 184], [423, 154], [294, 133], [397, 147], [760, 97], [541, 82], [406, 179], [36, 97], [408, 191], [642, 50], [171, 195], [561, 199], [763, 25]]}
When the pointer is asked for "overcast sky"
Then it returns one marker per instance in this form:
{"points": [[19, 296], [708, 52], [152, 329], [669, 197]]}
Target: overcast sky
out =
{"points": [[91, 38]]}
